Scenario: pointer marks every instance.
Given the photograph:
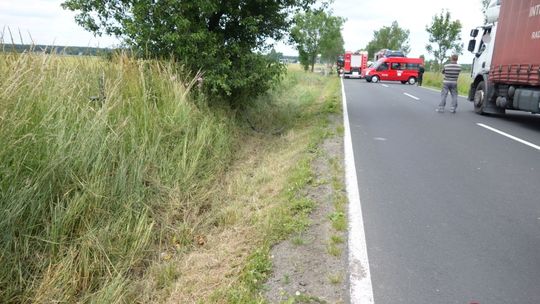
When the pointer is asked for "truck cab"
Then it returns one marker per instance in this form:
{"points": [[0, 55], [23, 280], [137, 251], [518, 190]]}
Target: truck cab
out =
{"points": [[506, 67], [482, 46]]}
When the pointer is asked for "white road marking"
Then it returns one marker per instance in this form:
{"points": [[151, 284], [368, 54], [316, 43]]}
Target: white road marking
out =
{"points": [[385, 85], [361, 289], [509, 136], [411, 96]]}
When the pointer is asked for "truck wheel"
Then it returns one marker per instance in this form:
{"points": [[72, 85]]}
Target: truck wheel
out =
{"points": [[375, 79], [412, 80], [479, 98]]}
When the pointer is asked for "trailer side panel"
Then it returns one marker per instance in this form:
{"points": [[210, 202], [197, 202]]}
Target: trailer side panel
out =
{"points": [[516, 59]]}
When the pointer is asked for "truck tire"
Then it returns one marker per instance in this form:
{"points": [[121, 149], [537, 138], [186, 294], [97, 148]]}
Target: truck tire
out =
{"points": [[412, 80], [375, 79], [479, 98]]}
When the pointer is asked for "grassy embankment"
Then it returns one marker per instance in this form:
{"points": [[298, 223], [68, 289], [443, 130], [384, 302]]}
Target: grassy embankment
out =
{"points": [[110, 199], [435, 79]]}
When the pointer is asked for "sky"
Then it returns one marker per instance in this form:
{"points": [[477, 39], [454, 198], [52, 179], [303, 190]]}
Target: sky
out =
{"points": [[364, 17], [48, 23]]}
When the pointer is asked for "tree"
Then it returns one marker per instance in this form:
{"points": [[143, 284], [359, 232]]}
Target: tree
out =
{"points": [[315, 32], [444, 37], [221, 39], [274, 55], [389, 37], [332, 47]]}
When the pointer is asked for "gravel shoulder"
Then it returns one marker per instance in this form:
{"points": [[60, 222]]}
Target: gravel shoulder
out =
{"points": [[311, 267]]}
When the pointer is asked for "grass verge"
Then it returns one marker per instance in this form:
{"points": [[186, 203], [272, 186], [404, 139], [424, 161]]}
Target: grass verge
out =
{"points": [[103, 164], [265, 193], [435, 80], [118, 185]]}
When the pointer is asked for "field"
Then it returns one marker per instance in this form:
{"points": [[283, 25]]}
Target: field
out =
{"points": [[117, 176]]}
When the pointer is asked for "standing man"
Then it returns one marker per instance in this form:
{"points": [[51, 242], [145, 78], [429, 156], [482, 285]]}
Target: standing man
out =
{"points": [[421, 71], [451, 73]]}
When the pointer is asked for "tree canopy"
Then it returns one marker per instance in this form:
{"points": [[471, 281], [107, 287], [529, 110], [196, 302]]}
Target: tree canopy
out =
{"points": [[317, 32], [444, 36], [389, 37], [332, 46], [219, 38]]}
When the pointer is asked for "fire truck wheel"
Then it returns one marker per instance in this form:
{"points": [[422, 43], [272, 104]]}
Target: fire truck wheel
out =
{"points": [[412, 80], [375, 79]]}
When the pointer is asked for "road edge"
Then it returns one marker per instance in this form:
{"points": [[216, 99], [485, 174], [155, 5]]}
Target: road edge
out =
{"points": [[361, 289]]}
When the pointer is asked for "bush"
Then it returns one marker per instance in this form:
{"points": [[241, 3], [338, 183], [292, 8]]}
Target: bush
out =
{"points": [[218, 38]]}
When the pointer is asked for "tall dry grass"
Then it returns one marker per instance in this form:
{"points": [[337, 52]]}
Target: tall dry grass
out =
{"points": [[101, 164]]}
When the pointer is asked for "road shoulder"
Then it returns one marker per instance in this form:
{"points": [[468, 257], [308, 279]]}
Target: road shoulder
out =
{"points": [[311, 266]]}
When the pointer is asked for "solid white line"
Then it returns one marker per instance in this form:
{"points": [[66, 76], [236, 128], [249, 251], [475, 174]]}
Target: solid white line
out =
{"points": [[413, 97], [385, 85], [509, 136], [361, 289]]}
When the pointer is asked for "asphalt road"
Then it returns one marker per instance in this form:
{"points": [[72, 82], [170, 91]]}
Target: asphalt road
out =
{"points": [[451, 209]]}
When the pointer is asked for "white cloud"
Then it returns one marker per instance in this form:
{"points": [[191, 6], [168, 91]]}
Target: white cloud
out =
{"points": [[364, 17], [45, 22], [48, 23]]}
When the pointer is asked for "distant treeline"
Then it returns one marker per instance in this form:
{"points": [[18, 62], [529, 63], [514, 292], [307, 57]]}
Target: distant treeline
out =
{"points": [[66, 50]]}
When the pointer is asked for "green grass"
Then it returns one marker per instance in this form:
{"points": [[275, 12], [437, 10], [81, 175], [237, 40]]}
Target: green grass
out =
{"points": [[336, 239], [339, 221], [305, 299], [340, 130], [298, 241], [109, 169], [335, 279], [434, 80], [307, 99], [286, 279], [334, 250], [91, 188], [291, 217]]}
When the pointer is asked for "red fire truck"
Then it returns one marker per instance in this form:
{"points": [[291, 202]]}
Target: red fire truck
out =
{"points": [[354, 64]]}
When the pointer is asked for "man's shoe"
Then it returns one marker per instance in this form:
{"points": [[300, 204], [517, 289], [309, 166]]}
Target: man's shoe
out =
{"points": [[452, 110], [439, 110]]}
